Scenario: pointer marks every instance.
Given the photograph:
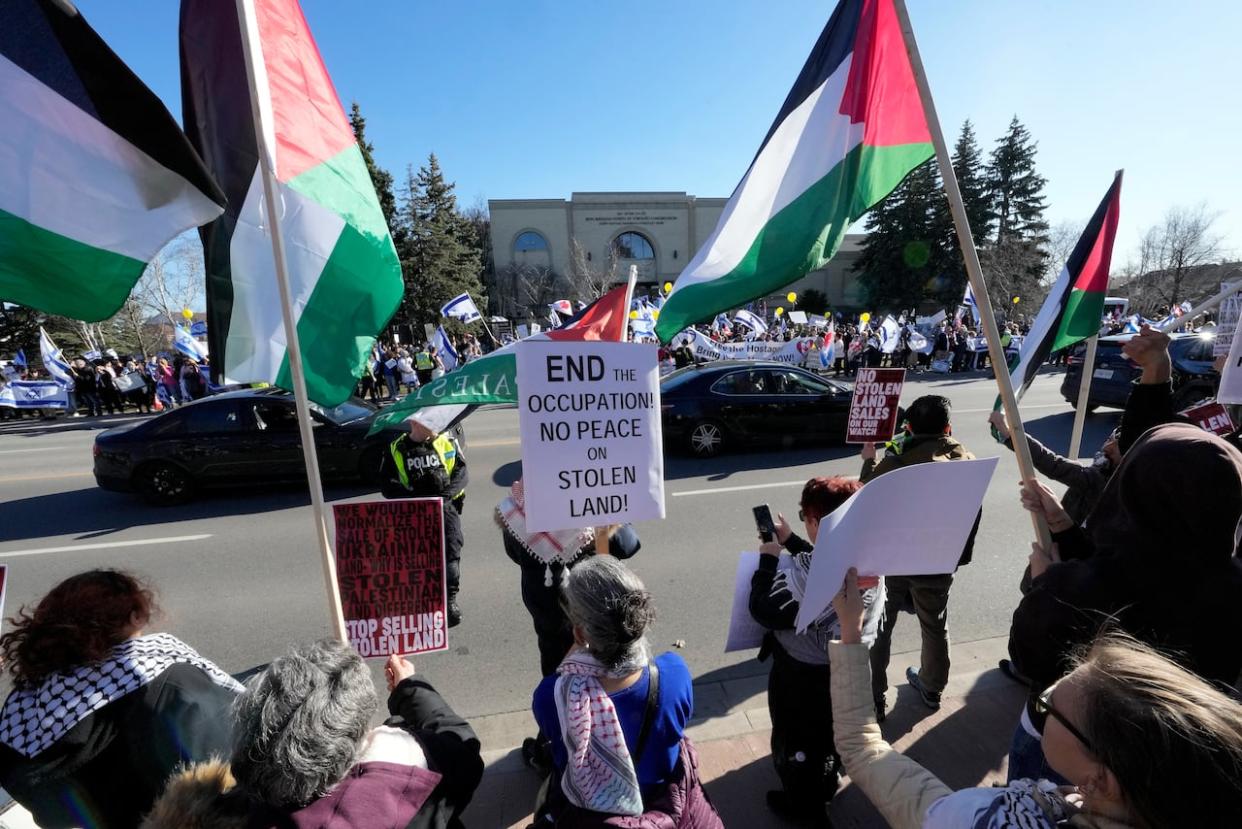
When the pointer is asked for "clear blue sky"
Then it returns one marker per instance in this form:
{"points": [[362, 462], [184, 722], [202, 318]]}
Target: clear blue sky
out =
{"points": [[538, 99]]}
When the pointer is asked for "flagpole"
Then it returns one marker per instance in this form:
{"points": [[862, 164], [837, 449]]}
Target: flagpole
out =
{"points": [[270, 198], [629, 297], [974, 271], [1084, 397]]}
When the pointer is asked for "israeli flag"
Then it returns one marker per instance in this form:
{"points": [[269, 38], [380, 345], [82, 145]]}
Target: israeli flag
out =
{"points": [[187, 345], [19, 359], [54, 361], [969, 301], [751, 320], [461, 308], [1132, 325], [444, 347], [644, 324]]}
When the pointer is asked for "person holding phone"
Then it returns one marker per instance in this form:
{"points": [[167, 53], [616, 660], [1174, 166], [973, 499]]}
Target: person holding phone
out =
{"points": [[800, 681]]}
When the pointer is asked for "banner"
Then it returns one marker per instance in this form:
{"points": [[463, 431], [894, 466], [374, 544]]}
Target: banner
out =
{"points": [[873, 409], [794, 351], [911, 521], [34, 394], [390, 571], [589, 420], [1210, 417]]}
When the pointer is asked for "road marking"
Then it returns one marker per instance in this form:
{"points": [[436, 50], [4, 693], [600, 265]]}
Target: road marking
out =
{"points": [[487, 444], [9, 479], [738, 488], [957, 412], [42, 449], [105, 545]]}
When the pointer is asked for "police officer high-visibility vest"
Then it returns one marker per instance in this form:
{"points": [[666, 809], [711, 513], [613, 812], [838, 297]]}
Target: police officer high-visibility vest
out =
{"points": [[445, 450], [423, 361]]}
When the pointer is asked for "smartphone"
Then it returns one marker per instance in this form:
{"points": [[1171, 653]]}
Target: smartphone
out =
{"points": [[764, 522]]}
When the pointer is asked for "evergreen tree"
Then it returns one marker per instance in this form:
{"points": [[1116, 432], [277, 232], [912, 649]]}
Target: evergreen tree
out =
{"points": [[950, 283], [439, 254], [901, 251], [380, 178], [1016, 263]]}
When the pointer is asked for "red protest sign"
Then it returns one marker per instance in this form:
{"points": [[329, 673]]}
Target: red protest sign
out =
{"points": [[873, 409], [390, 568], [1210, 417], [4, 586]]}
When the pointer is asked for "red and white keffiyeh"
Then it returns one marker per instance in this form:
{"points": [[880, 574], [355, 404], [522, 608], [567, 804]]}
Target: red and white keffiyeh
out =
{"points": [[599, 775], [558, 546]]}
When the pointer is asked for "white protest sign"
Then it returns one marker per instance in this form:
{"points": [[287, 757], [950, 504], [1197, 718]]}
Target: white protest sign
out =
{"points": [[1227, 321], [924, 536], [589, 417], [744, 632], [797, 317]]}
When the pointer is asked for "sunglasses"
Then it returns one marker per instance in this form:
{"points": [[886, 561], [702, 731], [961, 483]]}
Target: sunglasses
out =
{"points": [[1041, 704]]}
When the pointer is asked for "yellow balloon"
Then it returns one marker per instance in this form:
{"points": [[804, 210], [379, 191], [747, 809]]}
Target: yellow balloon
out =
{"points": [[668, 287], [864, 318], [779, 310], [791, 296], [655, 314], [1016, 300], [633, 315], [187, 313]]}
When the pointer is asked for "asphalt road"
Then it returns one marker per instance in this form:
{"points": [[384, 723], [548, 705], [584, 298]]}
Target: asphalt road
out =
{"points": [[238, 573]]}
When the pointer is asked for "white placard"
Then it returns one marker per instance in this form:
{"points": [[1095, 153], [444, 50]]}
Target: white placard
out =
{"points": [[589, 417], [925, 536], [1227, 321], [797, 317], [744, 632]]}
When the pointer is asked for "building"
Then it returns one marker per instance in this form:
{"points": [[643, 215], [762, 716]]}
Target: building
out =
{"points": [[549, 249]]}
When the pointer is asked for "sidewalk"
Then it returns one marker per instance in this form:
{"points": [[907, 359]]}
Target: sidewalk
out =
{"points": [[731, 730]]}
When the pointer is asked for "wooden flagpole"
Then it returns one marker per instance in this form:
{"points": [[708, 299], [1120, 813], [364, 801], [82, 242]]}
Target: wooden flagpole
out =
{"points": [[983, 303], [271, 198], [1084, 397]]}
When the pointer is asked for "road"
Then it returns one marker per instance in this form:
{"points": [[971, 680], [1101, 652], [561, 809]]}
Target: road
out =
{"points": [[238, 574]]}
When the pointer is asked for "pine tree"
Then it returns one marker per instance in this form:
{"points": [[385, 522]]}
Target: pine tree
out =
{"points": [[439, 254], [1016, 263], [381, 179], [901, 251], [950, 282]]}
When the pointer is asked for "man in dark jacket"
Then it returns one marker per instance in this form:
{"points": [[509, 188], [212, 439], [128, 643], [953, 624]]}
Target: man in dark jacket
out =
{"points": [[927, 438], [423, 464]]}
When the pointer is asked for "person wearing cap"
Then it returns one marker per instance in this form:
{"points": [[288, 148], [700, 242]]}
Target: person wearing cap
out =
{"points": [[424, 464]]}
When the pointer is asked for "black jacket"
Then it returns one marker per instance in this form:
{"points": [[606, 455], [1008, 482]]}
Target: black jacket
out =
{"points": [[1085, 483], [775, 610], [108, 769]]}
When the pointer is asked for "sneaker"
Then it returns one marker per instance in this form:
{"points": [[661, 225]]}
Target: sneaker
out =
{"points": [[930, 698], [798, 811], [454, 612]]}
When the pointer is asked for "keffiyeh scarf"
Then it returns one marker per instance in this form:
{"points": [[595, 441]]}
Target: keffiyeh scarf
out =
{"points": [[557, 547], [599, 775], [33, 719]]}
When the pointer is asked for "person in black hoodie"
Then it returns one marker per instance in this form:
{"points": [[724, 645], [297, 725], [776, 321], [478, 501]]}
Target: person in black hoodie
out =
{"points": [[101, 714], [1162, 535]]}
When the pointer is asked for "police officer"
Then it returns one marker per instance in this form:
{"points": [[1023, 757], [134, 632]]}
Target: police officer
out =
{"points": [[423, 464], [424, 365]]}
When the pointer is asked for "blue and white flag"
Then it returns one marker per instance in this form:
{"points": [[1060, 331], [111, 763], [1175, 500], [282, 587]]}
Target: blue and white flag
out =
{"points": [[751, 320], [187, 345], [19, 359], [54, 361], [34, 394], [644, 324], [444, 347], [969, 301], [890, 333], [554, 319], [461, 308], [1133, 324]]}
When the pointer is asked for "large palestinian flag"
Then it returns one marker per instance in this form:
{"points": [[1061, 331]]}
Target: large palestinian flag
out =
{"points": [[492, 378], [95, 175], [345, 280], [851, 129], [1074, 308]]}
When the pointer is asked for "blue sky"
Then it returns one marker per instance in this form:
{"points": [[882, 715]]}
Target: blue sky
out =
{"points": [[538, 99]]}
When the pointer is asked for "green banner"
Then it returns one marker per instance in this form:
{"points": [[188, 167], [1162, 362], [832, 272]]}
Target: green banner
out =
{"points": [[489, 379]]}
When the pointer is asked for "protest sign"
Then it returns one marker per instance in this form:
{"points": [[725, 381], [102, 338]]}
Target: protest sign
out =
{"points": [[1210, 417], [4, 587], [925, 536], [390, 568], [818, 320], [589, 418], [1227, 321], [797, 317], [744, 632], [129, 382], [873, 409]]}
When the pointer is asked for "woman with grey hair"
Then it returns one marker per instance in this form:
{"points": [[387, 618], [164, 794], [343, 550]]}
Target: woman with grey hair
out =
{"points": [[304, 753], [616, 716]]}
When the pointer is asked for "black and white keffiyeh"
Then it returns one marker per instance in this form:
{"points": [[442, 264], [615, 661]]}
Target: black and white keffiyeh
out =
{"points": [[34, 719]]}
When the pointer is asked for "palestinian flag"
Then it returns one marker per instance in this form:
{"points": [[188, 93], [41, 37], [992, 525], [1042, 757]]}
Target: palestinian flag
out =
{"points": [[345, 280], [851, 129], [492, 378], [95, 175], [1074, 308]]}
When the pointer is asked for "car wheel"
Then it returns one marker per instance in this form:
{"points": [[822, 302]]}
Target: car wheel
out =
{"points": [[706, 438], [369, 465], [164, 484]]}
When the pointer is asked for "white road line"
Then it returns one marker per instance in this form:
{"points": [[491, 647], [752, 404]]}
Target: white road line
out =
{"points": [[957, 412], [43, 449], [105, 545], [801, 482]]}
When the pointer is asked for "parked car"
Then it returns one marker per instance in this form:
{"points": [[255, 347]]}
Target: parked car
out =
{"points": [[729, 403], [1193, 376], [238, 438]]}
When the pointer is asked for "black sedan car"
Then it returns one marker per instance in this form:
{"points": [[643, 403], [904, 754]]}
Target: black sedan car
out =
{"points": [[735, 403], [234, 439], [1193, 376]]}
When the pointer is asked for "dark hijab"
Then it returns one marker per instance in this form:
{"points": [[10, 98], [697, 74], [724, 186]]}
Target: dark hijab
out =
{"points": [[1178, 490]]}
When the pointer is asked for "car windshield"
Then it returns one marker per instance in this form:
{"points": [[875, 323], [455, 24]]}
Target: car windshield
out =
{"points": [[351, 409]]}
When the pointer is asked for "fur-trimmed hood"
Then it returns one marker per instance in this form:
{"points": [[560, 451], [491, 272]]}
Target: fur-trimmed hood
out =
{"points": [[202, 796]]}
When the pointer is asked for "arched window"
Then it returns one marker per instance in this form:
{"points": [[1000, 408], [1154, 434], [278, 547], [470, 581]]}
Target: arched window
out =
{"points": [[631, 245], [528, 241]]}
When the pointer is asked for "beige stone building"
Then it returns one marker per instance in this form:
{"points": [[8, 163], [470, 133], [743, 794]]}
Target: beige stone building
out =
{"points": [[548, 249]]}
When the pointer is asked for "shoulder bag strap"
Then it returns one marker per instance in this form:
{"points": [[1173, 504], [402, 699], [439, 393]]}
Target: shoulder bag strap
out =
{"points": [[653, 702]]}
